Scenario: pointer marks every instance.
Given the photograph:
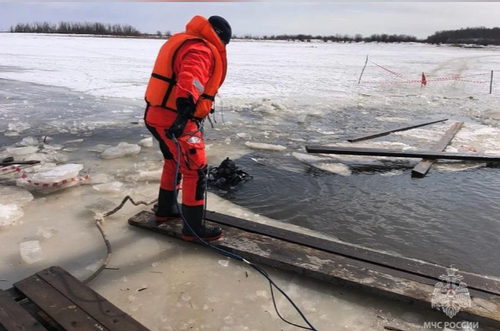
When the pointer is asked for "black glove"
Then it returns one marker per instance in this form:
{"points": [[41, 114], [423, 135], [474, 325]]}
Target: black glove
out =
{"points": [[185, 111]]}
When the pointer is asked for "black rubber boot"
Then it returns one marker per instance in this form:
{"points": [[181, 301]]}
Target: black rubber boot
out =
{"points": [[166, 208], [194, 217]]}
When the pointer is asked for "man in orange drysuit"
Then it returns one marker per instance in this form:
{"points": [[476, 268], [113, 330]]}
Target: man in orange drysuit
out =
{"points": [[189, 69]]}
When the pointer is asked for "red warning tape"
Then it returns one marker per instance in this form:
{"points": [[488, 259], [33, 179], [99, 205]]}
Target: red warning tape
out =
{"points": [[11, 169], [7, 170], [388, 70], [56, 184], [442, 79], [421, 81]]}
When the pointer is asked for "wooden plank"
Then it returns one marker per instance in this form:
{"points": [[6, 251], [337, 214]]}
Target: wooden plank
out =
{"points": [[400, 128], [421, 169], [90, 301], [15, 294], [57, 306], [334, 268], [14, 318], [4, 164], [39, 315], [416, 267], [401, 153], [375, 258]]}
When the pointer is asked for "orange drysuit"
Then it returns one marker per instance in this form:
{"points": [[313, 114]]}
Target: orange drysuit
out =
{"points": [[190, 63]]}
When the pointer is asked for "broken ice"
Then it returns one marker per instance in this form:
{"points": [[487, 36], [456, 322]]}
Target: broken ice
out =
{"points": [[263, 146], [14, 195], [18, 151], [28, 141], [18, 126], [57, 174], [9, 214], [109, 187], [144, 176], [31, 251], [146, 142], [123, 149], [99, 148], [46, 232]]}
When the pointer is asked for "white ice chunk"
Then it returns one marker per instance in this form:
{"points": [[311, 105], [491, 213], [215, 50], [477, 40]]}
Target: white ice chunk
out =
{"points": [[14, 195], [263, 146], [224, 263], [241, 135], [146, 142], [57, 174], [144, 176], [48, 157], [46, 232], [99, 148], [28, 141], [100, 179], [74, 142], [278, 106], [31, 251], [18, 151], [392, 173], [18, 126], [323, 163], [11, 134], [266, 109], [109, 187], [52, 147], [40, 167], [123, 149], [9, 214]]}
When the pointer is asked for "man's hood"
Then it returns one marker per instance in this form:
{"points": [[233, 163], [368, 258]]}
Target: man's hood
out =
{"points": [[200, 26]]}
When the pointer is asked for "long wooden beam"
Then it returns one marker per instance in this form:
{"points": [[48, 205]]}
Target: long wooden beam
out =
{"points": [[5, 164], [401, 153], [334, 268], [400, 128], [411, 266], [423, 166]]}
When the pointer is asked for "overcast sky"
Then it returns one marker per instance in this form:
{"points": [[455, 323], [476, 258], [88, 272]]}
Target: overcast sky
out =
{"points": [[419, 19]]}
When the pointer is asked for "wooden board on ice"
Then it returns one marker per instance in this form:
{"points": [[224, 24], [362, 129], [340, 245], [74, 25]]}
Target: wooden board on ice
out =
{"points": [[323, 163], [263, 146], [388, 275]]}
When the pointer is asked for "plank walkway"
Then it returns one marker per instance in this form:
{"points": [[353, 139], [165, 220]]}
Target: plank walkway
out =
{"points": [[395, 277]]}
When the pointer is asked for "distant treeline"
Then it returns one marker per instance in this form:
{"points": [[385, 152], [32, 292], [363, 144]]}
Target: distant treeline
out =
{"points": [[77, 28], [386, 38], [478, 36]]}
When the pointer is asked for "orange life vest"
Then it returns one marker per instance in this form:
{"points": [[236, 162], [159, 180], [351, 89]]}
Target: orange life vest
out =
{"points": [[161, 89]]}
